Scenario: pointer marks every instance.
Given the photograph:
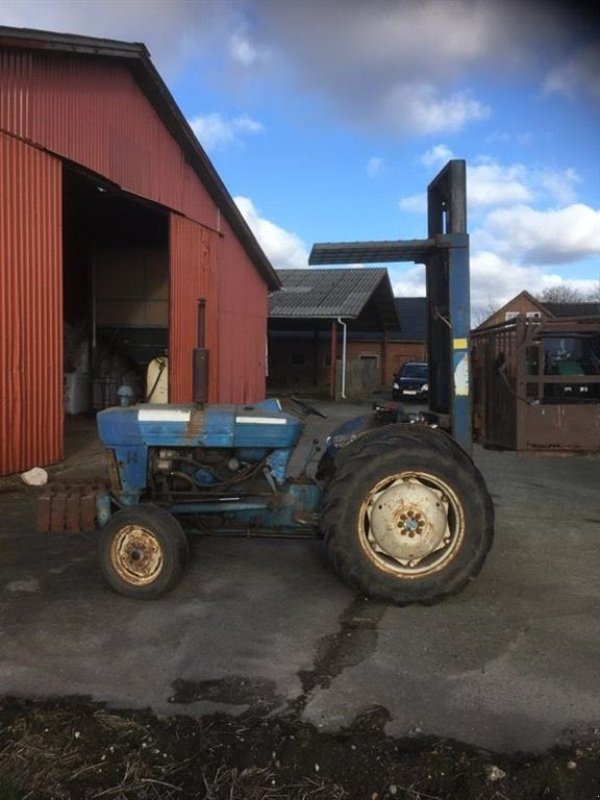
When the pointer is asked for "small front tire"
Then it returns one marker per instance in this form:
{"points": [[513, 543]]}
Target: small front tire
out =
{"points": [[143, 551]]}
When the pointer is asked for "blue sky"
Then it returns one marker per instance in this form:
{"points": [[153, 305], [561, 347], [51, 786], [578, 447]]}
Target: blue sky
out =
{"points": [[327, 119]]}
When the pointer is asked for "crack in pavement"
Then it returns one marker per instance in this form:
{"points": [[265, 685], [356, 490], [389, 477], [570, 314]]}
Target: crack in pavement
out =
{"points": [[353, 642]]}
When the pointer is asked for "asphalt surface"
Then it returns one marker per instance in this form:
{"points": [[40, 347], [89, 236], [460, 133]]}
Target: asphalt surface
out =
{"points": [[511, 663]]}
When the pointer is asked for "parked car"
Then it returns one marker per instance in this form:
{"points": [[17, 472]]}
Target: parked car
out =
{"points": [[411, 381]]}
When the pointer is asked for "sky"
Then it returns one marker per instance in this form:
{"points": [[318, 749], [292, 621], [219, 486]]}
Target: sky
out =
{"points": [[326, 119]]}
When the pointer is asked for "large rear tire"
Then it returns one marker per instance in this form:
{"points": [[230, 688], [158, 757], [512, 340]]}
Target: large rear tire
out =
{"points": [[143, 551], [407, 517]]}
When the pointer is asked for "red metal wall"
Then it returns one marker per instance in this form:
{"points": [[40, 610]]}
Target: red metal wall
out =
{"points": [[206, 265], [31, 417], [192, 268], [243, 309], [93, 112]]}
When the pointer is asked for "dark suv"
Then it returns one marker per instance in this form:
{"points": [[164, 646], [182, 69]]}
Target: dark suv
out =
{"points": [[411, 381]]}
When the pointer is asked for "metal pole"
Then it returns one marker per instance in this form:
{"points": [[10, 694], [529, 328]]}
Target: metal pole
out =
{"points": [[345, 326], [333, 357]]}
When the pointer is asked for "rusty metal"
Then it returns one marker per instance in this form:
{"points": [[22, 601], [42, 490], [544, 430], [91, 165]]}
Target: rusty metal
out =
{"points": [[137, 555], [519, 404], [69, 508], [31, 392]]}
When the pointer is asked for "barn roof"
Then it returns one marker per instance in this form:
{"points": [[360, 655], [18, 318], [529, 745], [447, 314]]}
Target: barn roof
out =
{"points": [[413, 317], [583, 309], [137, 59], [333, 293]]}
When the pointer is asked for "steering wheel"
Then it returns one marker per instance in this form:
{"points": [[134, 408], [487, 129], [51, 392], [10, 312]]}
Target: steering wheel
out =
{"points": [[307, 407]]}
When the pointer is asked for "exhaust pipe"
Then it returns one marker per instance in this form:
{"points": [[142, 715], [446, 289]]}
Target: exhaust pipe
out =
{"points": [[200, 362]]}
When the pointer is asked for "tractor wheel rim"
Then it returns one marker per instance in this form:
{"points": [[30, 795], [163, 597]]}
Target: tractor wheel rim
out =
{"points": [[411, 524], [137, 555]]}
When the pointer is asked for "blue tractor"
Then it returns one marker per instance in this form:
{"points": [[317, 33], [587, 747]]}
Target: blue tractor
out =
{"points": [[404, 512]]}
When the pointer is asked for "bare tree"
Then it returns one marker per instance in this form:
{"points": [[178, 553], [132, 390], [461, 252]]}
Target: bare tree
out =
{"points": [[594, 294], [560, 294], [483, 313]]}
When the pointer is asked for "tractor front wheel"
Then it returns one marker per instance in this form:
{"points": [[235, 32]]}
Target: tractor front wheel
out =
{"points": [[143, 551], [407, 517]]}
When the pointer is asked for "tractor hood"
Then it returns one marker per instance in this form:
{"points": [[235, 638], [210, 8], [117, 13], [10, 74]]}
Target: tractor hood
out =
{"points": [[262, 425]]}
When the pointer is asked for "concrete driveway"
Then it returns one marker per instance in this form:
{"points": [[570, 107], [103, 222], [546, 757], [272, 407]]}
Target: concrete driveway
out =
{"points": [[511, 663]]}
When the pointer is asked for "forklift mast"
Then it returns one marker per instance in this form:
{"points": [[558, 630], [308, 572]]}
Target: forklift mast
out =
{"points": [[445, 254]]}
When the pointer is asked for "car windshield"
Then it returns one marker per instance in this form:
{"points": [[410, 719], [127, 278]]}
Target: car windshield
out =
{"points": [[415, 371]]}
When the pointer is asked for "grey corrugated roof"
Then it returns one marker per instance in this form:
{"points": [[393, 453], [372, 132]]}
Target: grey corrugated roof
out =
{"points": [[413, 318], [573, 309], [326, 293]]}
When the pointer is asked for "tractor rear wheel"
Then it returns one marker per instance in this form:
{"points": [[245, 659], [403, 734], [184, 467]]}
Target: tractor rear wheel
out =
{"points": [[143, 551], [407, 517]]}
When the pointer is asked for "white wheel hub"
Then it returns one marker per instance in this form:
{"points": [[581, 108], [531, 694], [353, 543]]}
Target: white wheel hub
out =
{"points": [[408, 520]]}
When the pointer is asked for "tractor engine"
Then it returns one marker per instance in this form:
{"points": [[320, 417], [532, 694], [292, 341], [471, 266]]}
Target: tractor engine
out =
{"points": [[223, 467], [177, 472]]}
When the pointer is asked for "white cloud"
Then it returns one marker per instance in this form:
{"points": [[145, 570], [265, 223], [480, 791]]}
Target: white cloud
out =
{"points": [[408, 281], [531, 225], [400, 67], [375, 166], [214, 131], [415, 203], [437, 156], [284, 249], [496, 280], [420, 108], [560, 185], [544, 237], [243, 51], [405, 67], [175, 31], [577, 75], [490, 184]]}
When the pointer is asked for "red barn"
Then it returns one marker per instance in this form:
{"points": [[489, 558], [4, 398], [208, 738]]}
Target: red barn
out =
{"points": [[114, 224]]}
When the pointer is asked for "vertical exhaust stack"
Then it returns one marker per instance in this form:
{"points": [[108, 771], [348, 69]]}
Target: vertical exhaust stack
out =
{"points": [[200, 360]]}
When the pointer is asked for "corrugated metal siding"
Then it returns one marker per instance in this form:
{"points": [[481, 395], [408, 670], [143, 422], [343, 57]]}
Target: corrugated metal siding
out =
{"points": [[31, 402], [193, 251], [242, 324], [15, 75], [94, 113]]}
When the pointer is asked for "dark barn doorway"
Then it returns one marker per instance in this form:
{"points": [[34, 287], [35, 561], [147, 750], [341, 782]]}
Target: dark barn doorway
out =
{"points": [[115, 293]]}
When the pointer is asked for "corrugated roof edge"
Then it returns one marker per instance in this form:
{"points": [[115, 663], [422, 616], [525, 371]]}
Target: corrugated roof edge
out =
{"points": [[162, 99], [383, 277]]}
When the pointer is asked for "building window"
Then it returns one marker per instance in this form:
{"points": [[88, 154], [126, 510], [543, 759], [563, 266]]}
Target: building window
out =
{"points": [[510, 315], [370, 358]]}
